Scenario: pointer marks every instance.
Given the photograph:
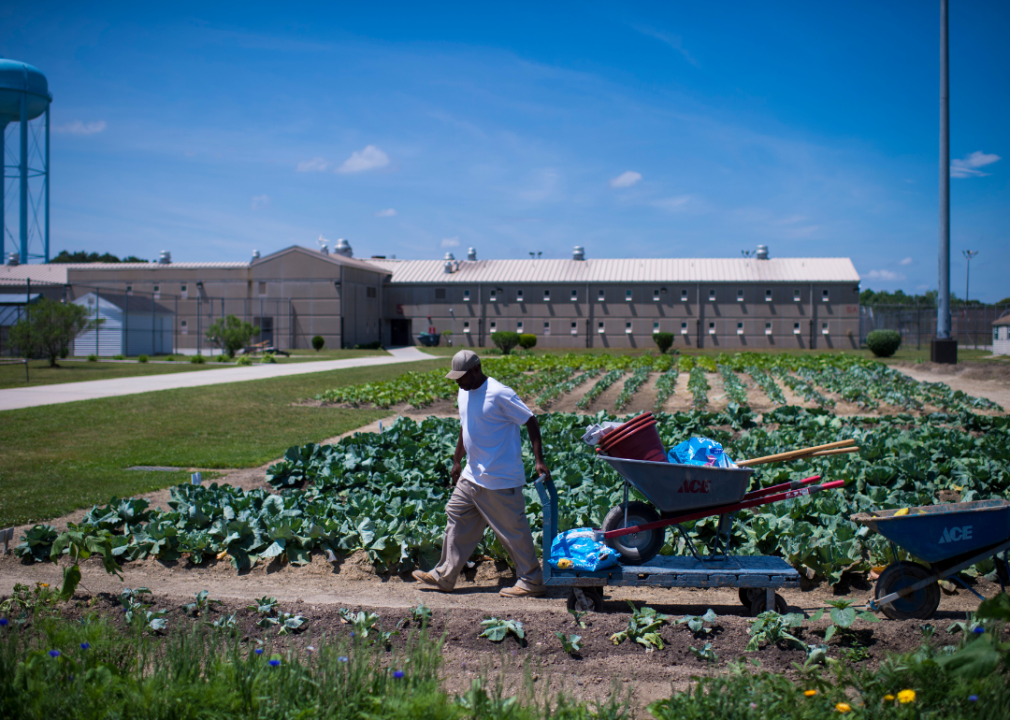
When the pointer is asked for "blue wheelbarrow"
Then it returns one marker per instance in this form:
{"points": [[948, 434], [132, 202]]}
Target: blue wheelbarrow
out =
{"points": [[950, 538]]}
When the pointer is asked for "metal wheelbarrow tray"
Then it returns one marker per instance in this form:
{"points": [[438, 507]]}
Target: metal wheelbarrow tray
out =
{"points": [[950, 537], [675, 488]]}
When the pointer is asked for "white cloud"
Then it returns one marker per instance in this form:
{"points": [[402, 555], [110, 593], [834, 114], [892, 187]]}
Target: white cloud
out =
{"points": [[81, 128], [316, 164], [677, 203], [450, 242], [388, 212], [369, 158], [260, 201], [968, 167], [625, 179], [907, 261], [883, 275], [674, 41]]}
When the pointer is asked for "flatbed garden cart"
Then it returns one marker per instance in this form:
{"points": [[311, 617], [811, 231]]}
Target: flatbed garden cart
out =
{"points": [[676, 494], [950, 537]]}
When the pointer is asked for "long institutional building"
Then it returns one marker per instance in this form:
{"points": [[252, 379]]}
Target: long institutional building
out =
{"points": [[292, 295]]}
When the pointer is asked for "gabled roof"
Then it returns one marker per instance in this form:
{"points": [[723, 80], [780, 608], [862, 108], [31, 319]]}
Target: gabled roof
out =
{"points": [[317, 255], [1004, 319], [139, 304], [671, 270]]}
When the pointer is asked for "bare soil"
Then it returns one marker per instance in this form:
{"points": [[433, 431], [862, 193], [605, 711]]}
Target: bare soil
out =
{"points": [[986, 378]]}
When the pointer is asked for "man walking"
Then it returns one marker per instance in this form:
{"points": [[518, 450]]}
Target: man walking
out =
{"points": [[488, 491]]}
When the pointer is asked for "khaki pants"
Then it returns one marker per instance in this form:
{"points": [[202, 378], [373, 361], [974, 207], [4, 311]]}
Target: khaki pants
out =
{"points": [[471, 509]]}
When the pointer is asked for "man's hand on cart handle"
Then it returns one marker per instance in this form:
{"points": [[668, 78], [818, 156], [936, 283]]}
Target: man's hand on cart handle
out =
{"points": [[542, 473]]}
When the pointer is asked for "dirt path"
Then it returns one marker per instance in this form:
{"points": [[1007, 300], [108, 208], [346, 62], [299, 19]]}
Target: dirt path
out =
{"points": [[990, 381]]}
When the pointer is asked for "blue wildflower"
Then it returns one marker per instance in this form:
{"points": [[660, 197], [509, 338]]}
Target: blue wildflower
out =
{"points": [[3, 622], [54, 653], [342, 658], [259, 651], [398, 674], [979, 630], [85, 646], [973, 698], [352, 634], [275, 663]]}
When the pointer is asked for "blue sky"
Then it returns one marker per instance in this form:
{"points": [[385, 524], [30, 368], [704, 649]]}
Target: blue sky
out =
{"points": [[636, 130]]}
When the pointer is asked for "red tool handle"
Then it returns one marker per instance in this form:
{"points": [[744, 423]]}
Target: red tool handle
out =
{"points": [[792, 485]]}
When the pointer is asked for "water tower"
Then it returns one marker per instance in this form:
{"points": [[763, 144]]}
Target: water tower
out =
{"points": [[24, 96]]}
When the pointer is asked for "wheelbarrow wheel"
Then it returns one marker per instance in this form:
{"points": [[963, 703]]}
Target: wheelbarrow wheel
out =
{"points": [[921, 604], [760, 603], [585, 599], [748, 595], [639, 547]]}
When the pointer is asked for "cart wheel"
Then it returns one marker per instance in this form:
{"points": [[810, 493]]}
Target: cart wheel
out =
{"points": [[640, 547], [748, 595], [759, 605], [921, 604], [585, 599]]}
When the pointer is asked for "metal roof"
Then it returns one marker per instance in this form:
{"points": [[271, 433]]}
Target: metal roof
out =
{"points": [[671, 270], [131, 303], [53, 273], [18, 299], [151, 265]]}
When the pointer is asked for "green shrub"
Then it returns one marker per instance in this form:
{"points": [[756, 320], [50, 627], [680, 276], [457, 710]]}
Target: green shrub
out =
{"points": [[663, 340], [142, 359], [883, 343], [505, 341], [92, 358], [244, 360], [268, 358], [318, 342], [198, 359], [527, 341], [222, 358], [118, 357]]}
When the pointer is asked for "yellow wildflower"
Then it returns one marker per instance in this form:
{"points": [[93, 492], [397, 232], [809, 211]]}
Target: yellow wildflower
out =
{"points": [[809, 693], [843, 707], [906, 696], [43, 585], [888, 697]]}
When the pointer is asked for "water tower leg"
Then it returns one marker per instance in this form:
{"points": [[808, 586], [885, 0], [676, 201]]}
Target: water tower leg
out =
{"points": [[46, 187], [3, 190], [23, 169]]}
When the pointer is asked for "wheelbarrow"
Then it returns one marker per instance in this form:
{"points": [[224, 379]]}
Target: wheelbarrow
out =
{"points": [[950, 538]]}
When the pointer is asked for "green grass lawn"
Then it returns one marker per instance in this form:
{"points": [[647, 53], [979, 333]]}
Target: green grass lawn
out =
{"points": [[58, 458]]}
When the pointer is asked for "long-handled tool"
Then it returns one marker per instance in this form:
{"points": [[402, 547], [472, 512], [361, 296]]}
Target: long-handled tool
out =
{"points": [[835, 448]]}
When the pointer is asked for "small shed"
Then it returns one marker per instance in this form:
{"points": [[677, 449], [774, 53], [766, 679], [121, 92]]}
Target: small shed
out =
{"points": [[128, 325], [1001, 335]]}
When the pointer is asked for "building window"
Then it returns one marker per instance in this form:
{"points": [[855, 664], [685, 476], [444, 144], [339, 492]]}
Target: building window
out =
{"points": [[129, 289], [683, 295], [711, 295], [683, 328], [627, 296], [157, 288], [440, 293], [183, 292], [547, 327], [627, 327], [575, 295], [655, 328], [739, 328], [547, 295], [825, 296], [768, 295], [711, 328], [183, 327], [519, 326], [796, 295], [371, 292], [768, 328], [602, 297], [262, 288], [739, 295], [466, 296], [824, 328], [655, 296], [494, 326], [796, 328], [493, 297], [600, 328], [519, 295], [466, 326], [575, 327]]}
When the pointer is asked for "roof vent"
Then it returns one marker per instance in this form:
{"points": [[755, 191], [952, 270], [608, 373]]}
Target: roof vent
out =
{"points": [[343, 248], [13, 259], [451, 264], [449, 256], [762, 252], [578, 253], [165, 258], [256, 255], [471, 254], [323, 245]]}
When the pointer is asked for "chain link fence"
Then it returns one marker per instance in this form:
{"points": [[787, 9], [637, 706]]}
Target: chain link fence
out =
{"points": [[971, 325]]}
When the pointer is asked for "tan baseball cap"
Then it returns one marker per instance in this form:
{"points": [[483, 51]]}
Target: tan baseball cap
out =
{"points": [[463, 361]]}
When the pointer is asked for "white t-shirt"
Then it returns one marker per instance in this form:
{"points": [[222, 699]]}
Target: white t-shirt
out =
{"points": [[490, 417]]}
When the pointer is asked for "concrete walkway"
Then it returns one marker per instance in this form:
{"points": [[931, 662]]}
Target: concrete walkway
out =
{"points": [[14, 398]]}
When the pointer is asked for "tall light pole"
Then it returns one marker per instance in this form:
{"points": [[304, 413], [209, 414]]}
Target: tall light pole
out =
{"points": [[944, 348], [968, 255]]}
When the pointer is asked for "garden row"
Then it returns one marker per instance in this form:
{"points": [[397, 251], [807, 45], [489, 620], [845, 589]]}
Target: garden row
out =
{"points": [[385, 493], [544, 379]]}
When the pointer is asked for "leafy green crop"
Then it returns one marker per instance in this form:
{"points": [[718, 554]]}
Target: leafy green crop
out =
{"points": [[699, 387], [496, 630], [643, 628], [770, 628]]}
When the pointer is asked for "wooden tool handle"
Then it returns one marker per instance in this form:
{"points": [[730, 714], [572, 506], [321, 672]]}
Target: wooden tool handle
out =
{"points": [[795, 454], [836, 451]]}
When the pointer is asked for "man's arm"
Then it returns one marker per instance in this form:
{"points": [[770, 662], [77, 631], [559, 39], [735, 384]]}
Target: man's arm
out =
{"points": [[533, 428], [457, 459]]}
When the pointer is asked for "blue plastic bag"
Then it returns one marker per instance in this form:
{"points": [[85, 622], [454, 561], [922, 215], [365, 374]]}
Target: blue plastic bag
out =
{"points": [[582, 551], [700, 451]]}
